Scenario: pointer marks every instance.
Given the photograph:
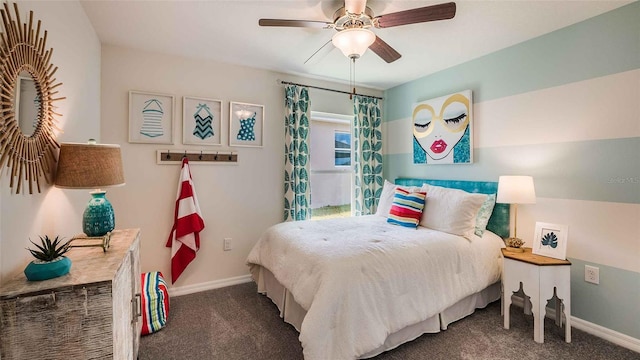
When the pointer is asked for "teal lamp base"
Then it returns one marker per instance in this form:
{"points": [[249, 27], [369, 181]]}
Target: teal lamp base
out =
{"points": [[98, 218]]}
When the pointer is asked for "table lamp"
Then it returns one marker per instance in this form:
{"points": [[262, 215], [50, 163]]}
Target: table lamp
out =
{"points": [[92, 166], [515, 190]]}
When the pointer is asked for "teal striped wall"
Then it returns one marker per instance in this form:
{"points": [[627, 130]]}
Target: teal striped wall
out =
{"points": [[603, 302], [601, 179], [585, 178], [606, 44]]}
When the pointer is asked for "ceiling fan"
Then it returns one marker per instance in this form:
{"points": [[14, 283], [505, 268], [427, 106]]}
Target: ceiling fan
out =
{"points": [[356, 17]]}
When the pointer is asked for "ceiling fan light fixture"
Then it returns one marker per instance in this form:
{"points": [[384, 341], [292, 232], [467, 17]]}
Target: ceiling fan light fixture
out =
{"points": [[353, 42]]}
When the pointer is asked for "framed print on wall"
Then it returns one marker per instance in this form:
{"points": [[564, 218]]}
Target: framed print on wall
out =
{"points": [[201, 121], [150, 118], [443, 130], [246, 124], [550, 240]]}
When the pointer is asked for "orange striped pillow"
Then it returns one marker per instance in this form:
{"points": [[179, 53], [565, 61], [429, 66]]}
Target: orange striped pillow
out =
{"points": [[406, 209]]}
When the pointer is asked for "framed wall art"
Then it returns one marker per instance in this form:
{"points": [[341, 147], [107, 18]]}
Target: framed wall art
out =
{"points": [[246, 124], [550, 240], [201, 121], [443, 130], [150, 118]]}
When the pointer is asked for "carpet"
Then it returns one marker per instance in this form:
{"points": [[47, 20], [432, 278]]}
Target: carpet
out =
{"points": [[236, 322]]}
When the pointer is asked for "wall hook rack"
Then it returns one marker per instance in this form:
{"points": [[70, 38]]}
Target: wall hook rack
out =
{"points": [[175, 156]]}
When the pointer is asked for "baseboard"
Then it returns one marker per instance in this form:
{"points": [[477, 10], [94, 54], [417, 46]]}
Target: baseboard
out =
{"points": [[613, 336], [210, 285]]}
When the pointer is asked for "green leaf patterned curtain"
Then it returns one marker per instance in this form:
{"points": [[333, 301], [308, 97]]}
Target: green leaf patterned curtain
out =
{"points": [[367, 154], [297, 190]]}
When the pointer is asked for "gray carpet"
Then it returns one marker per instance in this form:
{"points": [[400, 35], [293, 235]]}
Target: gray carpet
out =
{"points": [[237, 323]]}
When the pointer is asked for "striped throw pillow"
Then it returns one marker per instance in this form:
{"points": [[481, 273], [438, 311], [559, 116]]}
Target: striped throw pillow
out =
{"points": [[155, 302], [406, 208]]}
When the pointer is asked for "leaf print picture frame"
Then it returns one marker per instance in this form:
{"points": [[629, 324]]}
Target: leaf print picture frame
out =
{"points": [[550, 240], [150, 118], [201, 121], [246, 124]]}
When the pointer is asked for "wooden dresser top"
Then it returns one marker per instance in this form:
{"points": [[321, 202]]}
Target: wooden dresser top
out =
{"points": [[88, 265]]}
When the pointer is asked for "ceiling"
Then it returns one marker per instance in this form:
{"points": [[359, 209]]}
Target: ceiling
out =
{"points": [[228, 31]]}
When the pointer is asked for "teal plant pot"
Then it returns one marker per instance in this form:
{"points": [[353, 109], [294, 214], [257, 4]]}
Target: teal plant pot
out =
{"points": [[37, 271]]}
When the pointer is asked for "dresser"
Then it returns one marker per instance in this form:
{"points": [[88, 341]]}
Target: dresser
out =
{"points": [[91, 313]]}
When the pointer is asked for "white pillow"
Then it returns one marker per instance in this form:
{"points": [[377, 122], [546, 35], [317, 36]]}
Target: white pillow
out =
{"points": [[386, 197], [451, 210]]}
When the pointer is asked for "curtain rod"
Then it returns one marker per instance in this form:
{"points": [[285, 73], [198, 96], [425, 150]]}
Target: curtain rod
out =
{"points": [[327, 89]]}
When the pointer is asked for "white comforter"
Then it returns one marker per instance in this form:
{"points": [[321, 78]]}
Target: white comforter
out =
{"points": [[361, 279]]}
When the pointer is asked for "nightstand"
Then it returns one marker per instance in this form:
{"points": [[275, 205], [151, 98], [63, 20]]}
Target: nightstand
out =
{"points": [[541, 278]]}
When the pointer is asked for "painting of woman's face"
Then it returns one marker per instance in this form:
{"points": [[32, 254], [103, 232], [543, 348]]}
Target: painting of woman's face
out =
{"points": [[439, 125]]}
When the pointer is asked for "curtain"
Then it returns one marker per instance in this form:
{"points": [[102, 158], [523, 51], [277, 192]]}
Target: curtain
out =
{"points": [[367, 136], [297, 190]]}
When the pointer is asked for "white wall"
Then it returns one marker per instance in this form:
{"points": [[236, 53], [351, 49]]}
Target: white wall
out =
{"points": [[54, 211], [237, 201]]}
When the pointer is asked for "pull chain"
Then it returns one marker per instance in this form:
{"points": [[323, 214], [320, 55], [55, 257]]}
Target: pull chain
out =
{"points": [[352, 76]]}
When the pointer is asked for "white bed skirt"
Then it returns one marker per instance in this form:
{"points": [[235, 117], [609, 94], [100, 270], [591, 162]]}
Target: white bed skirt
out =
{"points": [[293, 313]]}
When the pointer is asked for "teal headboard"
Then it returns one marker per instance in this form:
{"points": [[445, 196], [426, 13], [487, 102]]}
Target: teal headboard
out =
{"points": [[499, 221]]}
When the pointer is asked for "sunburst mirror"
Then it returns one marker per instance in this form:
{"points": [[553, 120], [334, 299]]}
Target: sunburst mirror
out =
{"points": [[28, 90]]}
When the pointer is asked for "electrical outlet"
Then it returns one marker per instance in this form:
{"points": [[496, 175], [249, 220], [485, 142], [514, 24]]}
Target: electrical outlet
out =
{"points": [[227, 244], [592, 274]]}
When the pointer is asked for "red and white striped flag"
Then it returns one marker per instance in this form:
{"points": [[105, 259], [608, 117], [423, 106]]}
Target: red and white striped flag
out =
{"points": [[184, 239]]}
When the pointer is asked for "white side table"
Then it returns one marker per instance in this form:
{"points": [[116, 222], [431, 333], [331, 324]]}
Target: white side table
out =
{"points": [[540, 277]]}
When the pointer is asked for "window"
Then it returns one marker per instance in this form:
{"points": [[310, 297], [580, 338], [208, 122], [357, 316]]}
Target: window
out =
{"points": [[342, 149], [331, 177]]}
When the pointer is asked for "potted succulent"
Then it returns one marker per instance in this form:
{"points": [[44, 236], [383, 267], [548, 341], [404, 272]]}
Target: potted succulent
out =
{"points": [[49, 262]]}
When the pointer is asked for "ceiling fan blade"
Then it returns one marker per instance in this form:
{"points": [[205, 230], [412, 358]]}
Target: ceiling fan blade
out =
{"points": [[418, 15], [386, 52], [355, 6], [294, 23]]}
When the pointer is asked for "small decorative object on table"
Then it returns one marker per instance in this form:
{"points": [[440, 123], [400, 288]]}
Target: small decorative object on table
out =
{"points": [[514, 244], [550, 240], [50, 262], [91, 241]]}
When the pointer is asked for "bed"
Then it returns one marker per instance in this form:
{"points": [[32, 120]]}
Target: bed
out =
{"points": [[355, 287]]}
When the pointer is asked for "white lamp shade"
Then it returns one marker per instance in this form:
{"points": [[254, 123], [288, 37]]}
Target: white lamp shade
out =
{"points": [[353, 42], [516, 190]]}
